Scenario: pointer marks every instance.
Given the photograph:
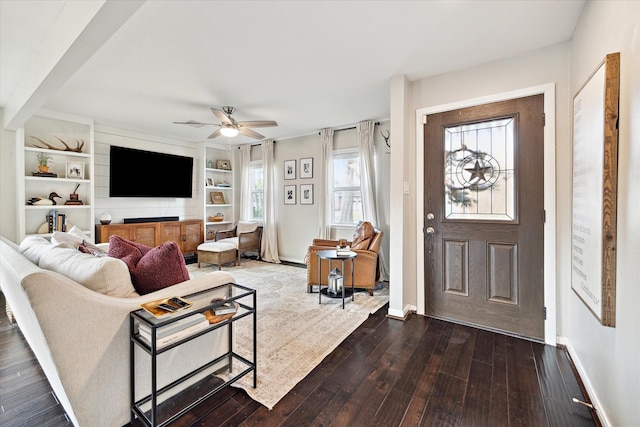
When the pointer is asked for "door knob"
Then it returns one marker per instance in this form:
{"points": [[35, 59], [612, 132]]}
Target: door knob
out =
{"points": [[430, 230]]}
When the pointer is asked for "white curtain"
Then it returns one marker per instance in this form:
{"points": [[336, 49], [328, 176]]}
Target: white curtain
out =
{"points": [[245, 182], [326, 182], [368, 182], [269, 250]]}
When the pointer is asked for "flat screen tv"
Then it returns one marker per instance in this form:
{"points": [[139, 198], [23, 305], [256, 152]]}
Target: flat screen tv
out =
{"points": [[138, 173]]}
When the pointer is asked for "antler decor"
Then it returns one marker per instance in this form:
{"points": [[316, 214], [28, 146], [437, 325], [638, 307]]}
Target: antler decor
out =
{"points": [[77, 149]]}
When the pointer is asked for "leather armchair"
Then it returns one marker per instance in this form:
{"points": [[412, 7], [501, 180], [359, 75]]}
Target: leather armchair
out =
{"points": [[246, 236], [366, 266]]}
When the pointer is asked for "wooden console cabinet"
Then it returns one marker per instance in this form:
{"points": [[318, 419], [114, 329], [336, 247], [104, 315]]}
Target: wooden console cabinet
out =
{"points": [[187, 234]]}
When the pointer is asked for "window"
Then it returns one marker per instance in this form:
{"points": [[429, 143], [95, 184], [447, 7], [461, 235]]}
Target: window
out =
{"points": [[347, 198], [256, 187]]}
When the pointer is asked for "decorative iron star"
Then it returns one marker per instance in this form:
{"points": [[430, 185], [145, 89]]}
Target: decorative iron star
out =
{"points": [[478, 171]]}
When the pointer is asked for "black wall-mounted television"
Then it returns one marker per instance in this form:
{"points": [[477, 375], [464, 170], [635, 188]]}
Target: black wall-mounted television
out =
{"points": [[138, 173]]}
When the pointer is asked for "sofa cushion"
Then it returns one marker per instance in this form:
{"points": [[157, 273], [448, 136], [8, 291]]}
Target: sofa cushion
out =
{"points": [[246, 226], [363, 236], [105, 275], [151, 268], [33, 247]]}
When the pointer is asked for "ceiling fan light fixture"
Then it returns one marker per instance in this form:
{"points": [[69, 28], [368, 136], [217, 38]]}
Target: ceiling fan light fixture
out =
{"points": [[229, 131]]}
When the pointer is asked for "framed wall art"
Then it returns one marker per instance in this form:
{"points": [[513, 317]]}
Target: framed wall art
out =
{"points": [[289, 194], [217, 198], [289, 169], [223, 164], [75, 170], [594, 195], [306, 168], [306, 194]]}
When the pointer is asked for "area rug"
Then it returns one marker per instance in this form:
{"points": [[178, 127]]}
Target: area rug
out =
{"points": [[294, 332]]}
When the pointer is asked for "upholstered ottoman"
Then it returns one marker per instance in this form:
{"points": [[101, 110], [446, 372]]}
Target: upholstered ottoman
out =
{"points": [[216, 253]]}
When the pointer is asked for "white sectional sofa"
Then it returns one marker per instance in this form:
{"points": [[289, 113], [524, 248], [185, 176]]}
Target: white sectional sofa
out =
{"points": [[75, 316]]}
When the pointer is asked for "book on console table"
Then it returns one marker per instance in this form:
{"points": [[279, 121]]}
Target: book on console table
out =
{"points": [[225, 308], [162, 341], [174, 327]]}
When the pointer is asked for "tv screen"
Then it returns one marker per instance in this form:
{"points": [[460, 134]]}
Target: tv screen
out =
{"points": [[138, 173]]}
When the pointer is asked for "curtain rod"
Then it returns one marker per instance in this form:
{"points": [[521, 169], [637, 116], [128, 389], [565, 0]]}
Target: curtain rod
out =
{"points": [[349, 128], [335, 130]]}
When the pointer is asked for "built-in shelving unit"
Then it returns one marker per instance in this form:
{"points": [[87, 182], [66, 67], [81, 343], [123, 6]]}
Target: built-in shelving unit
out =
{"points": [[74, 170], [217, 180]]}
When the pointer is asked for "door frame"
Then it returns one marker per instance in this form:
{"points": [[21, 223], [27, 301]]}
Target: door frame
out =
{"points": [[548, 90]]}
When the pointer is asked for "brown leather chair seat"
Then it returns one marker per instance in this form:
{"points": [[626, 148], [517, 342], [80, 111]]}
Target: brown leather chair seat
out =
{"points": [[366, 243]]}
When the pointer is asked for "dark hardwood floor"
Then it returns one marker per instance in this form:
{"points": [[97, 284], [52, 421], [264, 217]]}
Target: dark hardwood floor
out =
{"points": [[422, 372]]}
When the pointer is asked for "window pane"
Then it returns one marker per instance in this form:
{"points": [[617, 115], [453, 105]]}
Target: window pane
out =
{"points": [[480, 171], [346, 170], [347, 206], [256, 185]]}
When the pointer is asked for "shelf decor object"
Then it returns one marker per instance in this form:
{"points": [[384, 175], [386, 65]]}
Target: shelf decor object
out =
{"points": [[595, 182]]}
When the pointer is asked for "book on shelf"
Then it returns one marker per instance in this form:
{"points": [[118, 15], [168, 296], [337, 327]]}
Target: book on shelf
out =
{"points": [[164, 341], [173, 327], [343, 251], [225, 308], [56, 221]]}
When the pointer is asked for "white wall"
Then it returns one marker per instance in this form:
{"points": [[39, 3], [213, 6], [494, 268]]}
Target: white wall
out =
{"points": [[608, 357], [125, 207], [8, 210], [298, 224], [545, 66]]}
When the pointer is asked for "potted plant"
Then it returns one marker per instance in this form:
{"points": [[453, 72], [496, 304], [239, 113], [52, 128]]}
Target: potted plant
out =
{"points": [[43, 162]]}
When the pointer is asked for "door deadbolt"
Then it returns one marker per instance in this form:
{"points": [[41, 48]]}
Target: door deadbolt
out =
{"points": [[430, 216]]}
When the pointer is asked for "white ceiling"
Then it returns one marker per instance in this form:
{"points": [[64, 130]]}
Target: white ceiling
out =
{"points": [[306, 64]]}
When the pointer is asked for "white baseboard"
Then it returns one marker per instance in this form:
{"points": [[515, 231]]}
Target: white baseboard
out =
{"points": [[593, 395], [401, 314]]}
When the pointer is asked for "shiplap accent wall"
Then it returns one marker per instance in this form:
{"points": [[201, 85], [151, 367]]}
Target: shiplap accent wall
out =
{"points": [[125, 207]]}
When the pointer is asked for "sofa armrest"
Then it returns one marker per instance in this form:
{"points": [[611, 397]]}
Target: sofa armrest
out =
{"points": [[89, 340]]}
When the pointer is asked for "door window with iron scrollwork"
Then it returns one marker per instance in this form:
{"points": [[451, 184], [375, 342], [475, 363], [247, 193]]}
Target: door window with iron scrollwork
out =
{"points": [[479, 172]]}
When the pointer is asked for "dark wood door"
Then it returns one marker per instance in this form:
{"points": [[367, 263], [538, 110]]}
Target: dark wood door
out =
{"points": [[484, 227]]}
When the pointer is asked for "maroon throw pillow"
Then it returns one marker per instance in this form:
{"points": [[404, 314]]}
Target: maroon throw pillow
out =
{"points": [[159, 268], [126, 250], [151, 268]]}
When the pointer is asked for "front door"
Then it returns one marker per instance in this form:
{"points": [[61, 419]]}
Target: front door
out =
{"points": [[484, 216]]}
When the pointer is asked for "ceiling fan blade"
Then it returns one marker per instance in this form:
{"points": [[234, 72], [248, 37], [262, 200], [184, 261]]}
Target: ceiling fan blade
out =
{"points": [[222, 116], [258, 123], [248, 132], [192, 123], [214, 135]]}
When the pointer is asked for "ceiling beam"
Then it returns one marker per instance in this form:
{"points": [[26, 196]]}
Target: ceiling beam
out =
{"points": [[81, 29]]}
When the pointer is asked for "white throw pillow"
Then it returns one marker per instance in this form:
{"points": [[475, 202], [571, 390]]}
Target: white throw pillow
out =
{"points": [[71, 239], [246, 226], [33, 247], [106, 275]]}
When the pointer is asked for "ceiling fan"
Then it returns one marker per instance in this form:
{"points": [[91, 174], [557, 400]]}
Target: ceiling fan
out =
{"points": [[229, 126]]}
